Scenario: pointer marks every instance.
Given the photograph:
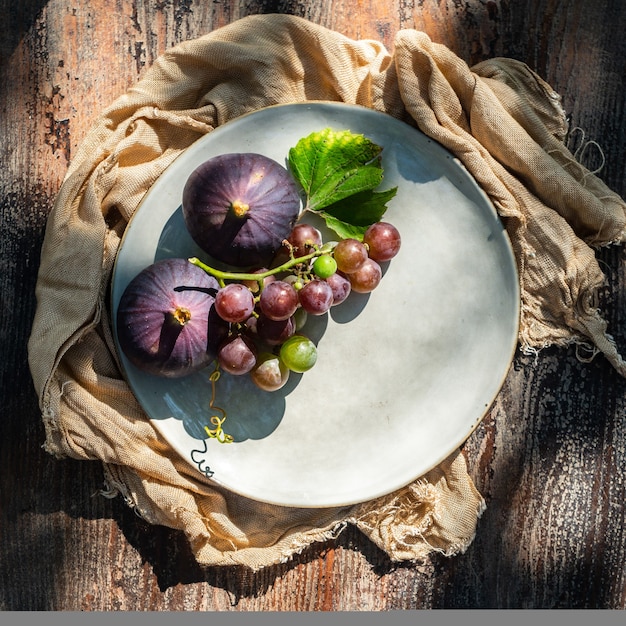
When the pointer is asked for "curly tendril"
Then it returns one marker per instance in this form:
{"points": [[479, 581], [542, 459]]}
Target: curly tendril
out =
{"points": [[217, 432]]}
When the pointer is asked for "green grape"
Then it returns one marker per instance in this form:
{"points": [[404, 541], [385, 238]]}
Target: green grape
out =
{"points": [[298, 353], [324, 266]]}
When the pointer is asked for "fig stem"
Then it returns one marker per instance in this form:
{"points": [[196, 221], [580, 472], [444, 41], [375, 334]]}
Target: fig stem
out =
{"points": [[239, 208], [181, 315], [239, 276]]}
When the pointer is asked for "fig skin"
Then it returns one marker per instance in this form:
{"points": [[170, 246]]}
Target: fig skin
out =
{"points": [[165, 320], [239, 207]]}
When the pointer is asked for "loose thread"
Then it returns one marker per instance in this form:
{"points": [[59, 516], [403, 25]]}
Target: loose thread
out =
{"points": [[579, 152]]}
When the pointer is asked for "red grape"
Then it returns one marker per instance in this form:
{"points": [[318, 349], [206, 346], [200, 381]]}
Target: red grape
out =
{"points": [[253, 285], [316, 297], [270, 373], [340, 287], [383, 241], [237, 355], [366, 278], [274, 332], [349, 254], [278, 300], [304, 238], [234, 303]]}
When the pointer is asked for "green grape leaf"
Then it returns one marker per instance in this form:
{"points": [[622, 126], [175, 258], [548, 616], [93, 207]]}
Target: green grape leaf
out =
{"points": [[363, 208], [343, 229], [338, 172]]}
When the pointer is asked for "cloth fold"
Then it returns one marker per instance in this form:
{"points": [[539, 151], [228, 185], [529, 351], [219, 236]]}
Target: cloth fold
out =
{"points": [[500, 119]]}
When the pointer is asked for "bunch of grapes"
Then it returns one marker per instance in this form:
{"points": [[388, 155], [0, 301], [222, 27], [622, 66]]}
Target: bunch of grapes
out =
{"points": [[259, 317]]}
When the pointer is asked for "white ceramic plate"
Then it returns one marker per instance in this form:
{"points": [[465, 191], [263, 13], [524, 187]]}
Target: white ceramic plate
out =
{"points": [[403, 375]]}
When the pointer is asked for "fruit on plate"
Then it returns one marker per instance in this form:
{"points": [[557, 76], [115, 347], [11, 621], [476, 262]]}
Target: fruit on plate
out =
{"points": [[298, 353], [245, 308], [383, 241], [237, 354], [163, 319], [239, 207], [269, 373]]}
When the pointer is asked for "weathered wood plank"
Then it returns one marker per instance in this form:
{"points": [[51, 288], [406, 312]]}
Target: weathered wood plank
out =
{"points": [[549, 458]]}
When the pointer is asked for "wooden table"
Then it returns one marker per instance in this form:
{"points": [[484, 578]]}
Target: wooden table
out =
{"points": [[550, 457]]}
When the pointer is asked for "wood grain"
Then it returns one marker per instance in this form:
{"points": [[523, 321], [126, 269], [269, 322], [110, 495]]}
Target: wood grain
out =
{"points": [[550, 458]]}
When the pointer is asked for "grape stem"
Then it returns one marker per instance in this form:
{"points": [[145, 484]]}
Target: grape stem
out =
{"points": [[223, 276]]}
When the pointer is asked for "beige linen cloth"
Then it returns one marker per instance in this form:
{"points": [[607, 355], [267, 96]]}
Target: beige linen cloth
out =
{"points": [[503, 122]]}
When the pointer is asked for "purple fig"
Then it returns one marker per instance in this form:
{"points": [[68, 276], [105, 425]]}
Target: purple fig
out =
{"points": [[165, 320], [239, 207]]}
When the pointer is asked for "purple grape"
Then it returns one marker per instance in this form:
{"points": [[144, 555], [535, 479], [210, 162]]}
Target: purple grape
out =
{"points": [[270, 373], [316, 297], [349, 254], [278, 300], [383, 241], [274, 332], [303, 239], [340, 286], [237, 355], [234, 303], [366, 278]]}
